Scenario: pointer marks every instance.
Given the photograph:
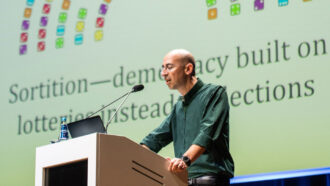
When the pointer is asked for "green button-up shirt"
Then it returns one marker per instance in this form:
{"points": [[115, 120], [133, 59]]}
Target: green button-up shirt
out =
{"points": [[201, 117]]}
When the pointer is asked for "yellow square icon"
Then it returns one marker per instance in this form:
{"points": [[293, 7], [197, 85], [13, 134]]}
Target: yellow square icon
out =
{"points": [[50, 1], [107, 1], [27, 12], [66, 4], [212, 13], [98, 35], [80, 26]]}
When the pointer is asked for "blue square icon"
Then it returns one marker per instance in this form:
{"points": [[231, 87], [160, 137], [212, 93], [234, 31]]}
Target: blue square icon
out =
{"points": [[60, 30], [30, 2], [78, 39], [283, 2]]}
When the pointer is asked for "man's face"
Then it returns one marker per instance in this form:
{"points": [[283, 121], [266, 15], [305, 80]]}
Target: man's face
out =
{"points": [[173, 71]]}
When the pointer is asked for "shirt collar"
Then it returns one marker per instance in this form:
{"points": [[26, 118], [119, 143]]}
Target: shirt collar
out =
{"points": [[186, 99]]}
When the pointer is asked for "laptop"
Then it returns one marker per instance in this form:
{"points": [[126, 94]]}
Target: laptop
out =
{"points": [[86, 126]]}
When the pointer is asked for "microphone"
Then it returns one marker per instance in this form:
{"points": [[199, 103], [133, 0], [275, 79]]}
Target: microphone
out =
{"points": [[136, 88]]}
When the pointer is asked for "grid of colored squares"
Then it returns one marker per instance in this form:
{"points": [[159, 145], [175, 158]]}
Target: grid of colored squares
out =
{"points": [[60, 29], [235, 8], [42, 32], [80, 26], [212, 12], [25, 27], [98, 35]]}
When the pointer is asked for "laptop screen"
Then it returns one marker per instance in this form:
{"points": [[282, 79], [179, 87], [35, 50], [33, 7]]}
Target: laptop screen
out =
{"points": [[86, 126]]}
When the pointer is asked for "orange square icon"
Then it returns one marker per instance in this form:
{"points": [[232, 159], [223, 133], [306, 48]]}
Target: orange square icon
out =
{"points": [[27, 12], [107, 1], [66, 4], [212, 13], [307, 0]]}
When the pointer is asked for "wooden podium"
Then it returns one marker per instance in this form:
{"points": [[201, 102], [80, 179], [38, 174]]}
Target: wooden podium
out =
{"points": [[102, 160]]}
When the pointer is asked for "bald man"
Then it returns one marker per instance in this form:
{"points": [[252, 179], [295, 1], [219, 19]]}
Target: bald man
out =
{"points": [[198, 124]]}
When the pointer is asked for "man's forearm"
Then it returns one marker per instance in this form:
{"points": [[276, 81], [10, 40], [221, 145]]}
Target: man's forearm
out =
{"points": [[194, 152]]}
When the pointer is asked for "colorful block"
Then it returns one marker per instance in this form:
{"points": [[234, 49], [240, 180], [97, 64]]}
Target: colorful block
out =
{"points": [[306, 0], [103, 9], [43, 21], [78, 39], [235, 9], [27, 12], [212, 13], [283, 2], [60, 30], [211, 2], [82, 13], [24, 37], [46, 9], [25, 24], [62, 17], [99, 22], [80, 26], [107, 1], [59, 43], [98, 35], [22, 49], [29, 2], [41, 46], [42, 33], [50, 1], [259, 4], [66, 4]]}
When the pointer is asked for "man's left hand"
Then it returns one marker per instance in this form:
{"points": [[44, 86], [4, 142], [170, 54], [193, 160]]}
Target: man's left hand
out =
{"points": [[176, 165]]}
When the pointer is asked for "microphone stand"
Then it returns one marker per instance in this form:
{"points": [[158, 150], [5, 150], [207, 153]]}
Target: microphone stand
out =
{"points": [[117, 109], [128, 93]]}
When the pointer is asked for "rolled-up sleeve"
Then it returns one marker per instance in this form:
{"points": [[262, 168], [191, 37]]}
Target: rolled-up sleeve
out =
{"points": [[160, 137], [215, 115]]}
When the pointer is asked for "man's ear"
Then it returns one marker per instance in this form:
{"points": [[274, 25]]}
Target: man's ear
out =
{"points": [[189, 68]]}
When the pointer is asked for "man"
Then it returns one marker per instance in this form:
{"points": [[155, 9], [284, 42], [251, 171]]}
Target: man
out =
{"points": [[198, 124]]}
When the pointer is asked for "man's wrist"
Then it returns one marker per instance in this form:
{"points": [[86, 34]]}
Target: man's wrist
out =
{"points": [[186, 160]]}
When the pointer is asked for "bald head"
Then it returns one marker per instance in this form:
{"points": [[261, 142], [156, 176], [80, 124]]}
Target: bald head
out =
{"points": [[184, 56]]}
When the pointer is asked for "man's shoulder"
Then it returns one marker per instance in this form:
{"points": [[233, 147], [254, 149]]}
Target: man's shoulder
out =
{"points": [[210, 87]]}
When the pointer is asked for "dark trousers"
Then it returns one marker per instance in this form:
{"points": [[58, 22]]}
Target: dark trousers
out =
{"points": [[209, 180]]}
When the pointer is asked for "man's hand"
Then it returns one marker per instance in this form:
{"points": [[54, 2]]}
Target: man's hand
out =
{"points": [[176, 165]]}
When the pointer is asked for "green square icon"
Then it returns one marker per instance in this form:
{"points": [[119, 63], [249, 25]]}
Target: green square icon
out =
{"points": [[59, 43], [82, 13], [62, 17], [235, 9], [211, 2]]}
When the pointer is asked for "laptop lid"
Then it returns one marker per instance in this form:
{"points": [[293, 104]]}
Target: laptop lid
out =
{"points": [[86, 126]]}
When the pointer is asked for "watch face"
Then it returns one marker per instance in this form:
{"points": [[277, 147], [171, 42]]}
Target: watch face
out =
{"points": [[186, 160]]}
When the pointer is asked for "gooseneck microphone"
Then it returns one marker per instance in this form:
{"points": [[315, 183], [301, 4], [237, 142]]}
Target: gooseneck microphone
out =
{"points": [[136, 88]]}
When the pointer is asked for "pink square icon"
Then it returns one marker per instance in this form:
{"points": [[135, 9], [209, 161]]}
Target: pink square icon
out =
{"points": [[24, 37], [46, 9], [42, 34], [41, 46], [99, 22]]}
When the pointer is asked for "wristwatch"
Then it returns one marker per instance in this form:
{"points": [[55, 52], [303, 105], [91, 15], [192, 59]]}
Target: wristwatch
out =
{"points": [[186, 160]]}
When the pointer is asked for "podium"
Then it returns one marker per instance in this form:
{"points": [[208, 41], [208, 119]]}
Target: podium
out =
{"points": [[102, 160]]}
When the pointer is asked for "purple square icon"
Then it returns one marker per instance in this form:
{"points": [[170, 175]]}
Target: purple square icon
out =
{"points": [[259, 4], [22, 49], [103, 9], [43, 21], [25, 25]]}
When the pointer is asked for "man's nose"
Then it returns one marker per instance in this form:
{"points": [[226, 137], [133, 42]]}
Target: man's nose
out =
{"points": [[164, 72]]}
